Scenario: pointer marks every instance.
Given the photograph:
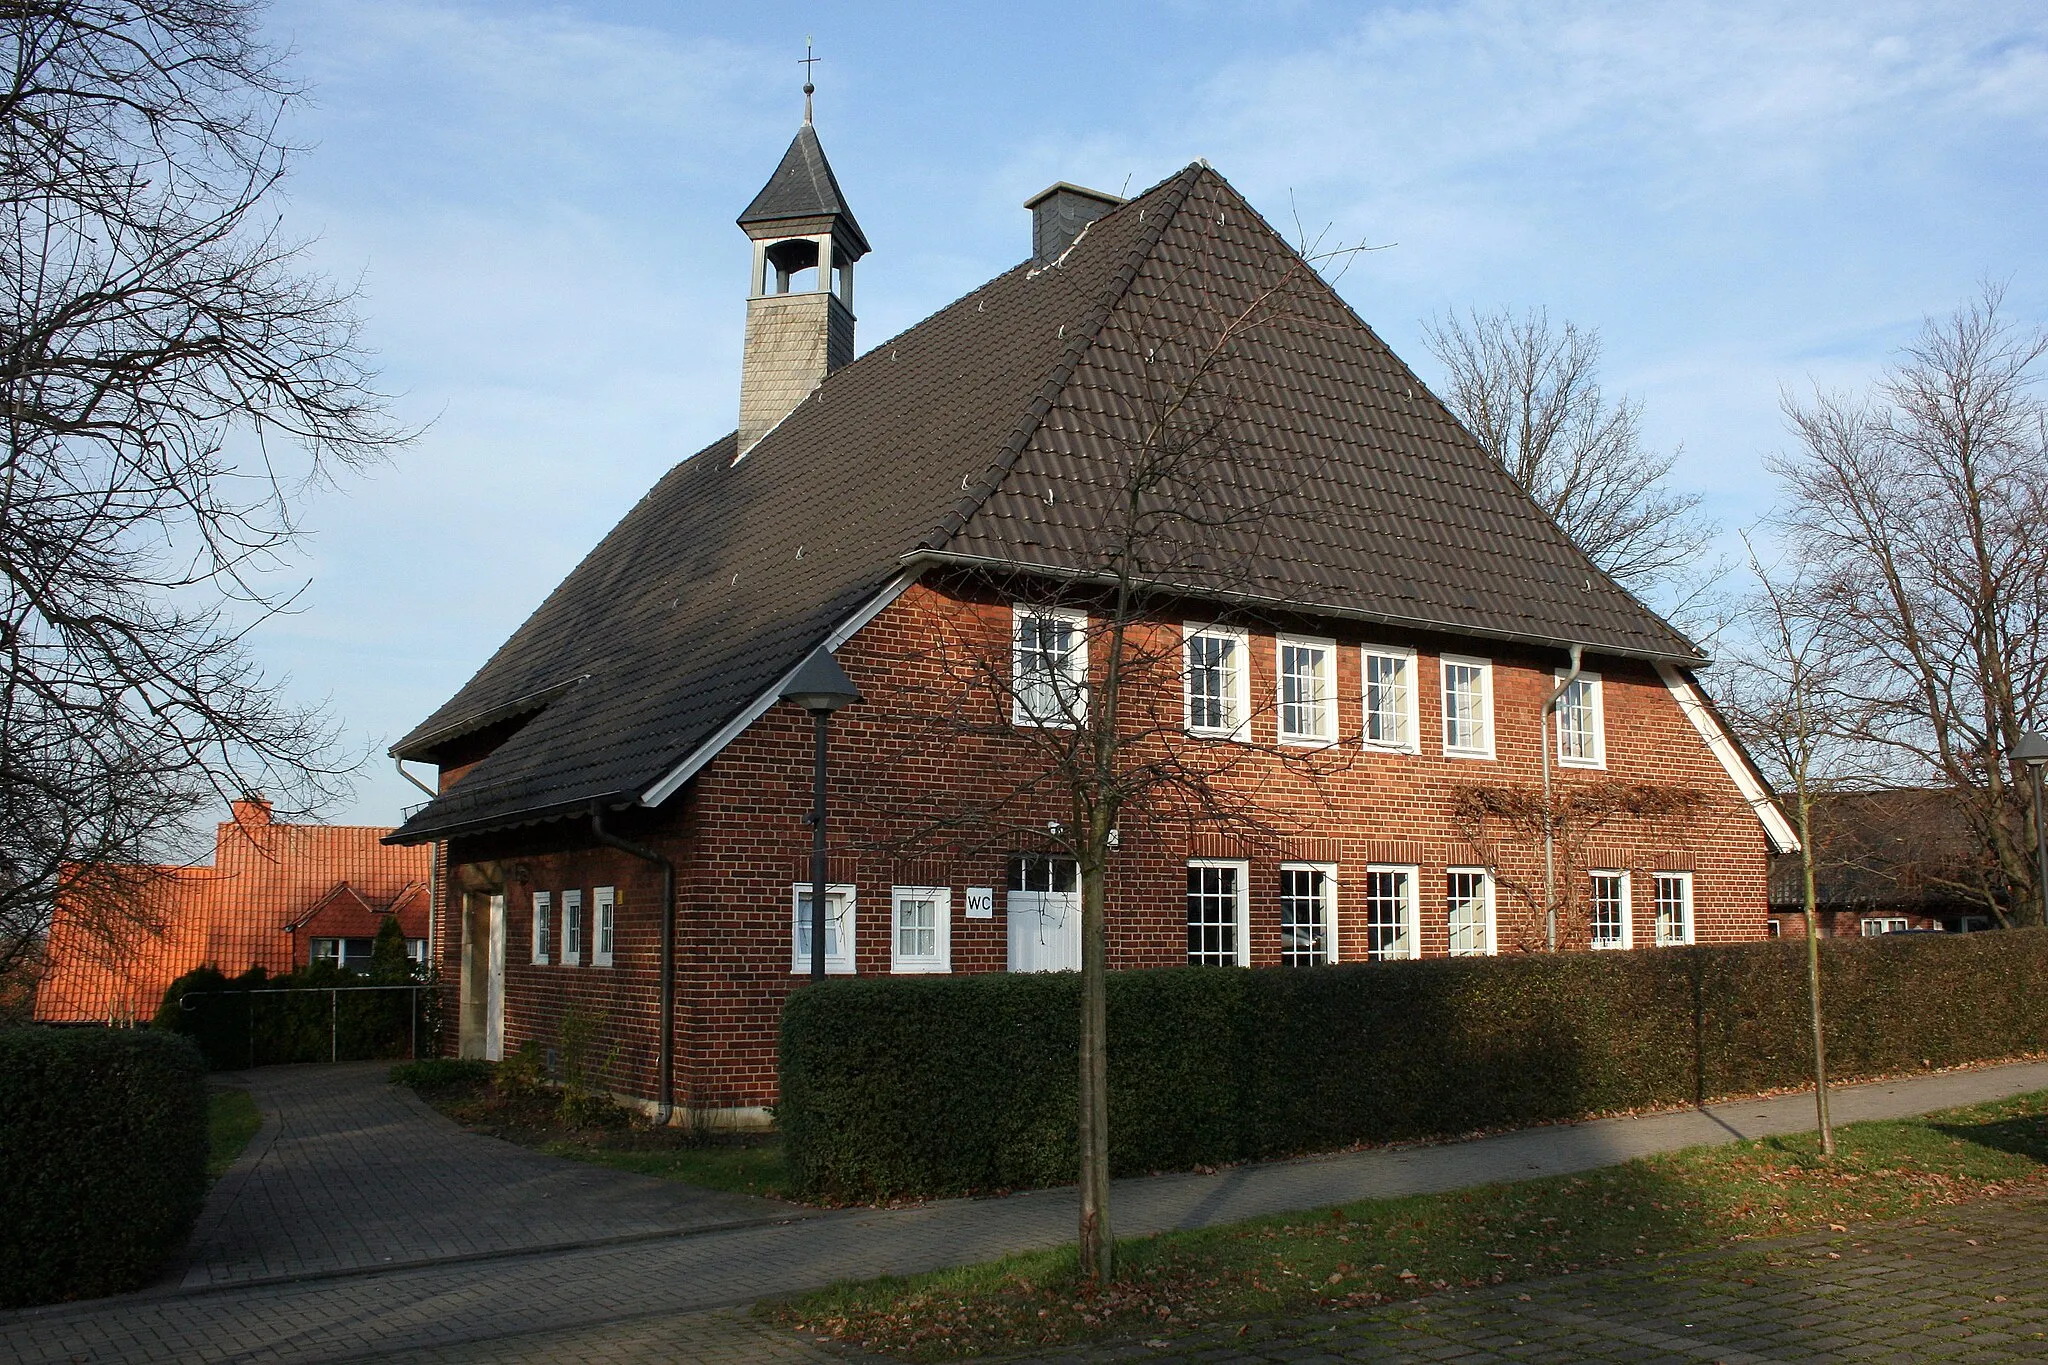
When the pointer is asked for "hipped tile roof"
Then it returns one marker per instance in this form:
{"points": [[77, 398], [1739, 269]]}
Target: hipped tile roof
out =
{"points": [[990, 433], [232, 915]]}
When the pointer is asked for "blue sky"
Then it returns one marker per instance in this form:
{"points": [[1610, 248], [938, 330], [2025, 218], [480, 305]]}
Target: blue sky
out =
{"points": [[538, 200]]}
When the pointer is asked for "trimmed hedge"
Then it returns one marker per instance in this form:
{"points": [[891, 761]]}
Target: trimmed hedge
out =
{"points": [[103, 1145], [236, 1029], [951, 1085]]}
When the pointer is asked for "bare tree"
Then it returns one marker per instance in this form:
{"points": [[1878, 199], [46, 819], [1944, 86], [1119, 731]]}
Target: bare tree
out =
{"points": [[1788, 700], [173, 379], [1918, 515], [1086, 688], [1530, 394]]}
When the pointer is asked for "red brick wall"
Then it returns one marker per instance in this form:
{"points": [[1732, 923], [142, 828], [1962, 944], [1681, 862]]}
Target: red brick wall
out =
{"points": [[924, 744]]}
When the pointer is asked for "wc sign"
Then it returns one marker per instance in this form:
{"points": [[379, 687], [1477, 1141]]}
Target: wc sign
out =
{"points": [[981, 902]]}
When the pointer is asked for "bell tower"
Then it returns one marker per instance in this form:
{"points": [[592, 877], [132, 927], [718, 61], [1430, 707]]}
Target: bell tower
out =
{"points": [[800, 295]]}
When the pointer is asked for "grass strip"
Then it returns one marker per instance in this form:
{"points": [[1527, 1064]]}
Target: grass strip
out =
{"points": [[231, 1120], [1383, 1251], [475, 1095]]}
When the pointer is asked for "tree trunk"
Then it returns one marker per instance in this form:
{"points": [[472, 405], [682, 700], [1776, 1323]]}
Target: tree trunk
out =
{"points": [[1097, 1243], [1820, 1049]]}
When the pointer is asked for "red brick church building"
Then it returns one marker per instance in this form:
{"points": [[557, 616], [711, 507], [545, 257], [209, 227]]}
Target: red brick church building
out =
{"points": [[1367, 643]]}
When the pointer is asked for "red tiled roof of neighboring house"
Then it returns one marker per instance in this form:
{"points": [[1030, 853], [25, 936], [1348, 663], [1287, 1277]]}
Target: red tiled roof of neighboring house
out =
{"points": [[233, 914]]}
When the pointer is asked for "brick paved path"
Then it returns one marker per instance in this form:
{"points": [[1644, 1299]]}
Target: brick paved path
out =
{"points": [[349, 1172], [423, 1187], [1966, 1285]]}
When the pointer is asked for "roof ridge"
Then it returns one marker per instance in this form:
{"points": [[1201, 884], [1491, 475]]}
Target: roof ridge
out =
{"points": [[1121, 279]]}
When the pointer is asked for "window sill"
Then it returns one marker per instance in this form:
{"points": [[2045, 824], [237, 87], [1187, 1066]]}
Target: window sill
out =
{"points": [[1471, 755], [1590, 763], [1374, 747], [1238, 734], [920, 968], [1307, 742], [831, 969]]}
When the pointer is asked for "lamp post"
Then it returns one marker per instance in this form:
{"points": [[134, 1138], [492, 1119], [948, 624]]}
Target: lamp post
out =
{"points": [[2032, 750], [820, 686]]}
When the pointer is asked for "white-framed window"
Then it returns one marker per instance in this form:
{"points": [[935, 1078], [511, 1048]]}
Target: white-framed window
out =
{"points": [[839, 920], [1218, 686], [1873, 927], [1049, 667], [1468, 707], [1468, 901], [1390, 929], [1388, 678], [1308, 914], [1613, 920], [351, 954], [922, 939], [1581, 723], [1674, 908], [1308, 689], [572, 928], [1218, 935], [604, 902], [543, 914], [416, 951]]}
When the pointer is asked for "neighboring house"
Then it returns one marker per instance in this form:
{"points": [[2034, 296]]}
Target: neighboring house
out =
{"points": [[622, 763], [1884, 862], [276, 896]]}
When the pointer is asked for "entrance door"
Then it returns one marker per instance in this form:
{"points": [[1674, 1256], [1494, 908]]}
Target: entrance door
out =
{"points": [[1044, 910], [494, 1006]]}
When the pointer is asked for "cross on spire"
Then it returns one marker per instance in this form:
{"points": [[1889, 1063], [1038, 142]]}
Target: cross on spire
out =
{"points": [[807, 62]]}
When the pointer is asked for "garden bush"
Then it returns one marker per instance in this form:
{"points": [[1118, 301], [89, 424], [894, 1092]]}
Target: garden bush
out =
{"points": [[235, 1027], [103, 1141], [949, 1085]]}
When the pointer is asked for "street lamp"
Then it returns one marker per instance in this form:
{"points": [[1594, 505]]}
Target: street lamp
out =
{"points": [[2032, 750], [820, 686]]}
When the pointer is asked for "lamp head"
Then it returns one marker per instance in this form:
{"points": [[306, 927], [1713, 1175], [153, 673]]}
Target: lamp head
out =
{"points": [[2031, 749], [820, 685]]}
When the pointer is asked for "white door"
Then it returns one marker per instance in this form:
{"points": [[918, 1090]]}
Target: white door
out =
{"points": [[1044, 911], [494, 992]]}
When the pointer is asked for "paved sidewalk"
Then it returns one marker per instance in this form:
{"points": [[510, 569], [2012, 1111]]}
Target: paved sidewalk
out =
{"points": [[1963, 1285], [350, 1172], [665, 1297]]}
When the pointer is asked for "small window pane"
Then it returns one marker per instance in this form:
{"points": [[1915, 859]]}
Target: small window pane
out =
{"points": [[1467, 898], [1304, 691], [1386, 700], [1212, 916], [1465, 707], [835, 916], [1048, 667], [1304, 916], [1609, 910], [1038, 872], [1212, 682], [1674, 910], [917, 926], [1578, 731], [1387, 892]]}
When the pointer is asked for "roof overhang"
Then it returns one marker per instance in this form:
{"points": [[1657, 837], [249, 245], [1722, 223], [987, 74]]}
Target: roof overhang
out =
{"points": [[672, 780], [417, 747]]}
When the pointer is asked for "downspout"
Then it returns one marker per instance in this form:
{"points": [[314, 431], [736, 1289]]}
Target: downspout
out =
{"points": [[1549, 823], [437, 932], [665, 1063]]}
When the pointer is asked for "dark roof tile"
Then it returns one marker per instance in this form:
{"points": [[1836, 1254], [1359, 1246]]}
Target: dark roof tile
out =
{"points": [[948, 439]]}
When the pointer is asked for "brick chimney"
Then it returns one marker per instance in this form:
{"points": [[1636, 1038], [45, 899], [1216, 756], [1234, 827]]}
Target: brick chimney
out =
{"points": [[251, 811], [800, 298]]}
